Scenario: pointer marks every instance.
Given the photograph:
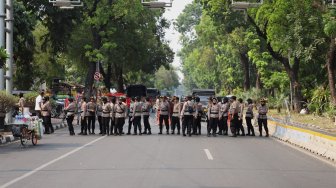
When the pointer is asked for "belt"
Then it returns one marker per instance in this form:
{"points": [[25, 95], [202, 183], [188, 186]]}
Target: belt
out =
{"points": [[120, 112], [44, 110], [106, 112]]}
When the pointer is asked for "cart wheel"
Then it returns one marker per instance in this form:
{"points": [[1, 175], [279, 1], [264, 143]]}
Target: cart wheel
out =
{"points": [[34, 138], [24, 136]]}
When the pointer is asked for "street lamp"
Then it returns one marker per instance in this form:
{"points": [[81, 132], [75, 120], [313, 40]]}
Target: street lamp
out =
{"points": [[330, 3], [66, 4], [157, 4], [243, 5]]}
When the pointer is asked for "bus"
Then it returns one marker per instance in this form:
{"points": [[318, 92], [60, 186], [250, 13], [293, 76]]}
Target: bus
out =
{"points": [[137, 90]]}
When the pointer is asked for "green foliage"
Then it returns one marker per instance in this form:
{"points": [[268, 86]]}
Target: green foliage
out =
{"points": [[3, 57], [319, 101], [7, 102], [30, 98], [166, 78]]}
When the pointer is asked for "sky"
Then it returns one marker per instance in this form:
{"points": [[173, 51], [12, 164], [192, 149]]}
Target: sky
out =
{"points": [[171, 34]]}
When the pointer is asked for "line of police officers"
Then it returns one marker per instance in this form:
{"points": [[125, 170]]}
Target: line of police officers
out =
{"points": [[112, 115]]}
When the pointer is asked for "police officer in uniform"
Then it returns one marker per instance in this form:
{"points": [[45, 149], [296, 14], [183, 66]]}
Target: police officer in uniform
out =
{"points": [[136, 116], [146, 107], [175, 123], [262, 116], [83, 117], [112, 115], [188, 113], [240, 117], [70, 115], [99, 111], [106, 115], [198, 119], [213, 114], [223, 121], [120, 110], [164, 114], [248, 117], [46, 112], [234, 109], [91, 115], [130, 115]]}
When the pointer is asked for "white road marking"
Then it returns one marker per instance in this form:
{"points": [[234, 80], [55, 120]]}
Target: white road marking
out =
{"points": [[207, 152], [48, 164]]}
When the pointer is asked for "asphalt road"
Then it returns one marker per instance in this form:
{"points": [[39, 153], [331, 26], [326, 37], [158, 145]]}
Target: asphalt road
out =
{"points": [[160, 161]]}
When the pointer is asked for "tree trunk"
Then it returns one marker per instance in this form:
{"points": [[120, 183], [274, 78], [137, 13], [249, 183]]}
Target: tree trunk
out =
{"points": [[120, 81], [89, 80], [258, 82], [246, 69], [331, 70], [293, 74]]}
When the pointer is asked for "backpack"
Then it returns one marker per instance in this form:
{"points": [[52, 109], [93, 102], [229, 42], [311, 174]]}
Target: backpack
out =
{"points": [[190, 109]]}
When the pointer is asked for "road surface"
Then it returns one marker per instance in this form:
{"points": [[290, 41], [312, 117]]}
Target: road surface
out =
{"points": [[160, 161]]}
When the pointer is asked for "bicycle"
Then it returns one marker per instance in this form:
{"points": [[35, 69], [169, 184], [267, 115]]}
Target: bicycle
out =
{"points": [[25, 134]]}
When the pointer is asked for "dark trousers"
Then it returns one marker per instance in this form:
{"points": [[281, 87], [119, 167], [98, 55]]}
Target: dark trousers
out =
{"points": [[100, 122], [106, 125], [197, 125], [130, 122], [137, 124], [91, 123], [70, 126], [187, 123], [47, 124], [120, 124], [175, 123], [225, 125], [213, 123], [263, 122], [240, 127], [234, 125], [164, 118], [146, 124], [114, 128], [250, 128], [83, 125], [38, 114]]}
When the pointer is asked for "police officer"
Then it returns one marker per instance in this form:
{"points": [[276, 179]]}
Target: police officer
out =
{"points": [[213, 114], [120, 110], [70, 115], [99, 110], [112, 116], [146, 107], [262, 116], [198, 119], [234, 109], [136, 116], [46, 115], [188, 113], [130, 115], [240, 117], [249, 117], [164, 114], [91, 115], [83, 108], [175, 122], [106, 115], [223, 121]]}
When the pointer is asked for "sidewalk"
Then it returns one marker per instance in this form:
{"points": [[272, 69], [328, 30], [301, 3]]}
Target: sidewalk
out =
{"points": [[6, 137]]}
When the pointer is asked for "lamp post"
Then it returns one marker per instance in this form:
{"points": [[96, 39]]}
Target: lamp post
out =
{"points": [[9, 45], [2, 40], [157, 4]]}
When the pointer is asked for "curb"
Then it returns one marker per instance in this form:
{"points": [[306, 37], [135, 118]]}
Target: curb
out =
{"points": [[10, 138]]}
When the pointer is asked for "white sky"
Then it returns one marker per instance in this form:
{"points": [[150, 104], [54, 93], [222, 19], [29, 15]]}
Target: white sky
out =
{"points": [[171, 34]]}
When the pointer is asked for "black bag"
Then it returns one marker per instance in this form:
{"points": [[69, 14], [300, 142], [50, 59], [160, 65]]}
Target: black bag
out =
{"points": [[190, 109]]}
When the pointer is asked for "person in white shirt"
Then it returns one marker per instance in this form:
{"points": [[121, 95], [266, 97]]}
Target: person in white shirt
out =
{"points": [[38, 103]]}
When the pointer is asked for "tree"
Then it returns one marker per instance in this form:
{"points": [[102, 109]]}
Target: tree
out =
{"points": [[166, 78]]}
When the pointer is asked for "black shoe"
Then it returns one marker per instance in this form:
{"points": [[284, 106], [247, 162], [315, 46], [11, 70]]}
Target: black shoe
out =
{"points": [[115, 134], [214, 135], [167, 132], [178, 133], [149, 133], [80, 133], [128, 134], [135, 133], [267, 135], [209, 135], [103, 134], [172, 132], [189, 135], [184, 135], [225, 134], [253, 135], [93, 133], [160, 132], [242, 134], [100, 133], [248, 134], [144, 132], [233, 136], [260, 135], [140, 133]]}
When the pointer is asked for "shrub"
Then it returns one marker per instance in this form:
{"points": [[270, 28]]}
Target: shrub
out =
{"points": [[7, 102], [30, 98]]}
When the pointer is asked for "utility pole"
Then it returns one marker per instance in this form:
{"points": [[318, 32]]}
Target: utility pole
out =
{"points": [[2, 40], [9, 45]]}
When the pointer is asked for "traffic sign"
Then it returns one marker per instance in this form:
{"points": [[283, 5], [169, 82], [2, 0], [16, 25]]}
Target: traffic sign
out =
{"points": [[97, 76]]}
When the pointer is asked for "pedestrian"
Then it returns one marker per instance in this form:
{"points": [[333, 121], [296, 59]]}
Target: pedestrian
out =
{"points": [[21, 103], [198, 119], [130, 114], [188, 113], [213, 115], [240, 117], [248, 117], [106, 116], [223, 122], [164, 114], [136, 116], [234, 109], [91, 115], [99, 110], [114, 128], [262, 116], [38, 103], [146, 107], [176, 113], [120, 110], [83, 111], [46, 115], [70, 115]]}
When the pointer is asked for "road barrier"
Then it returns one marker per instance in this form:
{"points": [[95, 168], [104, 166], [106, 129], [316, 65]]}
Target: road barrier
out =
{"points": [[315, 142]]}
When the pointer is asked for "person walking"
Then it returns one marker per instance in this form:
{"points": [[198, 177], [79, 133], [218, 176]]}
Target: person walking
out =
{"points": [[188, 113], [213, 115], [46, 115], [106, 116], [175, 123], [120, 110], [248, 117], [262, 116], [146, 107], [164, 114], [70, 115], [83, 117], [91, 115], [136, 116]]}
